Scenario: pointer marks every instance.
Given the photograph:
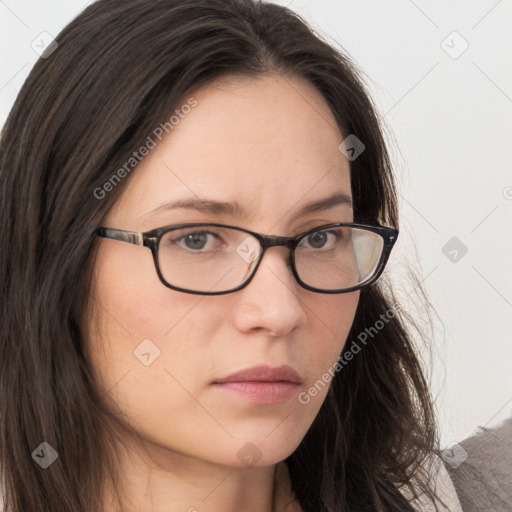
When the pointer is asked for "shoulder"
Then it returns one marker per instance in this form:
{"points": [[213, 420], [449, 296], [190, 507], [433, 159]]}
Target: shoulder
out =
{"points": [[442, 486], [481, 473]]}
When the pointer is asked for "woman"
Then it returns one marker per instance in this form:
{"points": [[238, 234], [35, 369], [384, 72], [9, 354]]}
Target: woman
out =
{"points": [[198, 203]]}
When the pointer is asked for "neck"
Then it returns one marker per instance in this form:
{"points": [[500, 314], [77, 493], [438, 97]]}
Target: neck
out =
{"points": [[177, 483]]}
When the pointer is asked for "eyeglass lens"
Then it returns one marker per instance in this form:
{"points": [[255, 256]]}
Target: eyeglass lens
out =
{"points": [[215, 259]]}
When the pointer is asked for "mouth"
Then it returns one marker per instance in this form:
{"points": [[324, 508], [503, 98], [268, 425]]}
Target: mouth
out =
{"points": [[262, 384]]}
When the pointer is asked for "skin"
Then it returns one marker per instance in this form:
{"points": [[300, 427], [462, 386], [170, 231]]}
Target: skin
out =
{"points": [[271, 144]]}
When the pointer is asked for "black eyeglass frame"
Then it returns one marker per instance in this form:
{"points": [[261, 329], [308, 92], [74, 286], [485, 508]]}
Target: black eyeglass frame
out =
{"points": [[151, 239]]}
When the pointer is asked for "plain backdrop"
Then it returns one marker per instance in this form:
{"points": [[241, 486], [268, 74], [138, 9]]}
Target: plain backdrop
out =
{"points": [[440, 73]]}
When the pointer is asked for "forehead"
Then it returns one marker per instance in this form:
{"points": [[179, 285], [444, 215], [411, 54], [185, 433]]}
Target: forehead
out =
{"points": [[269, 143]]}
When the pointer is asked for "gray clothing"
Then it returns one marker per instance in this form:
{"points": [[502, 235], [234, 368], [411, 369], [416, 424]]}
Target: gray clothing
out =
{"points": [[483, 481]]}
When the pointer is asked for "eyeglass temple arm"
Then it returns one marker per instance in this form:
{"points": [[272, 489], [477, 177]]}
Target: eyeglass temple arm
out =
{"points": [[130, 237]]}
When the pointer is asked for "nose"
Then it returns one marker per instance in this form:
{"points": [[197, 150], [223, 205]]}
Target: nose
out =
{"points": [[270, 302]]}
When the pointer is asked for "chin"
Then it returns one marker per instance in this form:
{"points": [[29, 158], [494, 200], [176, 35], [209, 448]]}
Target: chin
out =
{"points": [[262, 450]]}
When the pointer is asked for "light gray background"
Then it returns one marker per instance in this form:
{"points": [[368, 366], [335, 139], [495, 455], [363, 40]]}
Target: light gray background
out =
{"points": [[451, 120]]}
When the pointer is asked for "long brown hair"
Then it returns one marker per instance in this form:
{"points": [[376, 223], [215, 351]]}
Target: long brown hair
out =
{"points": [[118, 71]]}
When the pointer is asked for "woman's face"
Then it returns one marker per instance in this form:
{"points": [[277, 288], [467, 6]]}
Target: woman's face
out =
{"points": [[271, 146]]}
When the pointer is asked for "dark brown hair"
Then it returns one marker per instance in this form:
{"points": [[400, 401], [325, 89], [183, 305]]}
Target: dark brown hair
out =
{"points": [[119, 69]]}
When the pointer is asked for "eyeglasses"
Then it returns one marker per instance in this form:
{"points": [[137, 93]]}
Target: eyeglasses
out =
{"points": [[215, 259]]}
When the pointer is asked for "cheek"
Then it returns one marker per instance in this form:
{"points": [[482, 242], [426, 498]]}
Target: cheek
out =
{"points": [[146, 343], [127, 288], [330, 320], [131, 299], [331, 317], [137, 324]]}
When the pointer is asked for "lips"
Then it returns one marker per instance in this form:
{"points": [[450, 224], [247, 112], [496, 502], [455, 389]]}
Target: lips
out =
{"points": [[262, 385], [263, 373]]}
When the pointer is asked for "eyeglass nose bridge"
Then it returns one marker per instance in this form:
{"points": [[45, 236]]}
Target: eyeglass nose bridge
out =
{"points": [[254, 257], [269, 241]]}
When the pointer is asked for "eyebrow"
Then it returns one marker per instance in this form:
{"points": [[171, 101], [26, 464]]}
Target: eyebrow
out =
{"points": [[234, 209]]}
